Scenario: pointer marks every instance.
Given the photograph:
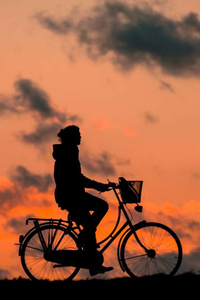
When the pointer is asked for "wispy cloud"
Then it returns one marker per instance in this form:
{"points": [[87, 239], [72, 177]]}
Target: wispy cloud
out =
{"points": [[44, 132], [30, 99], [26, 189], [22, 176], [101, 164], [166, 86], [134, 35], [16, 224], [150, 118], [10, 196], [5, 274]]}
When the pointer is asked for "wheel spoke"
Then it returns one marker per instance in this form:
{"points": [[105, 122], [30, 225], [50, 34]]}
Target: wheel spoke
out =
{"points": [[32, 257], [135, 256], [164, 251]]}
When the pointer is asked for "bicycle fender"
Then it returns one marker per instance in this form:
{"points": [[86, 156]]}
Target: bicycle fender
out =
{"points": [[119, 248], [135, 227], [22, 238]]}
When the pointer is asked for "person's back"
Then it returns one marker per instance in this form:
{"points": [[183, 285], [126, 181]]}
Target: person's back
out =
{"points": [[67, 175]]}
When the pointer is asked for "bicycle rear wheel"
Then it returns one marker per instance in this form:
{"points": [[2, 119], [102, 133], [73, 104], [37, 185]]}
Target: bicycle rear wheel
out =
{"points": [[163, 255], [32, 254]]}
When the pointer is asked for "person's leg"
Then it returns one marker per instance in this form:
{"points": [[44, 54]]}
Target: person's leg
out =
{"points": [[87, 236], [97, 205], [82, 216], [88, 220]]}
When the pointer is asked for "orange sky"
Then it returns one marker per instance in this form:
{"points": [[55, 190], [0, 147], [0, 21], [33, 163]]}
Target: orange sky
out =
{"points": [[139, 116]]}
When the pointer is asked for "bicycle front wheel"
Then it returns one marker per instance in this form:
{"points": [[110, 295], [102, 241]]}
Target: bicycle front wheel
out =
{"points": [[32, 255], [151, 249]]}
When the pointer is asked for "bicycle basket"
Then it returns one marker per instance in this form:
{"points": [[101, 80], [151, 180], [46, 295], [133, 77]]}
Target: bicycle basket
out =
{"points": [[130, 190]]}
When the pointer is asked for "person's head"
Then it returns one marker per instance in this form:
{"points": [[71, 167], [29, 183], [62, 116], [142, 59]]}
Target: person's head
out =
{"points": [[70, 135]]}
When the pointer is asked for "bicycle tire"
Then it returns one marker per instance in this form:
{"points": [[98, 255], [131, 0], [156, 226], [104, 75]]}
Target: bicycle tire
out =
{"points": [[164, 255], [32, 254]]}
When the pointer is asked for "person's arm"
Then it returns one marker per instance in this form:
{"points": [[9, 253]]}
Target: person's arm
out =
{"points": [[88, 183]]}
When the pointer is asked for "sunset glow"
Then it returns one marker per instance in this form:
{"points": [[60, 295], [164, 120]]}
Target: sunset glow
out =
{"points": [[127, 73]]}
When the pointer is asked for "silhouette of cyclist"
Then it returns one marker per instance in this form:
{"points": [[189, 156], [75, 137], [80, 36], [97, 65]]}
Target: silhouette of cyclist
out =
{"points": [[70, 192]]}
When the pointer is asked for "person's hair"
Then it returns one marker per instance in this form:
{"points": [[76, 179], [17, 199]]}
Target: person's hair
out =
{"points": [[68, 133]]}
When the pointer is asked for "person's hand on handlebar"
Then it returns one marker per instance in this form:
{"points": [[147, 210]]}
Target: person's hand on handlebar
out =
{"points": [[103, 187], [112, 184]]}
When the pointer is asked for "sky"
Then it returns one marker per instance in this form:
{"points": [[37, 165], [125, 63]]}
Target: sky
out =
{"points": [[127, 73]]}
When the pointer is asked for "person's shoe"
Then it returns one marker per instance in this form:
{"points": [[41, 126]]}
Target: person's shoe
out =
{"points": [[100, 270]]}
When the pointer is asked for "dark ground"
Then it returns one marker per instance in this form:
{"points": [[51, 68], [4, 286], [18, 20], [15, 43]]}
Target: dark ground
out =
{"points": [[154, 287]]}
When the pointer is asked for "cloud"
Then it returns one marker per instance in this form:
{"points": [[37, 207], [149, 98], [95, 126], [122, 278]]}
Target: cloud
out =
{"points": [[31, 99], [44, 132], [192, 22], [191, 261], [99, 165], [16, 225], [132, 35], [166, 86], [61, 27], [26, 189], [10, 195], [26, 179], [5, 274], [150, 118], [7, 106]]}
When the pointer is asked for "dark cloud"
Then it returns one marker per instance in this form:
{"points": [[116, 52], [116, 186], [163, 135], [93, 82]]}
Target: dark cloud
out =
{"points": [[16, 192], [192, 22], [44, 132], [17, 225], [191, 261], [10, 197], [135, 35], [61, 27], [5, 274], [100, 165], [7, 106], [30, 98], [26, 179]]}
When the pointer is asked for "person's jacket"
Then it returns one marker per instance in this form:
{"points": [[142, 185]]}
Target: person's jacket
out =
{"points": [[70, 182]]}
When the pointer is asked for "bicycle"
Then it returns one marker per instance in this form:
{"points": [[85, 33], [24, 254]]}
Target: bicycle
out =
{"points": [[51, 249]]}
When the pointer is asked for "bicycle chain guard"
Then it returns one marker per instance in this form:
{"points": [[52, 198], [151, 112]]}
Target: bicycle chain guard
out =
{"points": [[74, 258]]}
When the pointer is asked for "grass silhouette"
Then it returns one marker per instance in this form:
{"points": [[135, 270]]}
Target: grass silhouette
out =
{"points": [[153, 287]]}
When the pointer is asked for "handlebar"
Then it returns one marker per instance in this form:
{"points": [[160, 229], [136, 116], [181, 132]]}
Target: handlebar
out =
{"points": [[111, 185]]}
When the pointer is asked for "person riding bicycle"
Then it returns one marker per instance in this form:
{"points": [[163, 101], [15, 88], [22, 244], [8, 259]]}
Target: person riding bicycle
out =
{"points": [[70, 192]]}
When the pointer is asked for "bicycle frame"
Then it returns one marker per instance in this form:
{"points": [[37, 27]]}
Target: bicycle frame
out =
{"points": [[69, 227], [128, 223], [49, 235]]}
